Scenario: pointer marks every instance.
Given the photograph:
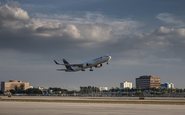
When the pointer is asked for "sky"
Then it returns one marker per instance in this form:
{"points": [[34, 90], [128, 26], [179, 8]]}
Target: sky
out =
{"points": [[144, 37]]}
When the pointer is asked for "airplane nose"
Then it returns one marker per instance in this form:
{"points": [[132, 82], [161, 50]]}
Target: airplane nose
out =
{"points": [[109, 57]]}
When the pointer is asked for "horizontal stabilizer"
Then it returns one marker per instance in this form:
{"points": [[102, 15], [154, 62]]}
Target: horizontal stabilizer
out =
{"points": [[61, 69]]}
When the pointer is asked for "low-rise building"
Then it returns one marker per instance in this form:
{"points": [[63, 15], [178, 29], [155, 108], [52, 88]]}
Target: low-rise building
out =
{"points": [[148, 81], [167, 85], [14, 85], [103, 88], [126, 84]]}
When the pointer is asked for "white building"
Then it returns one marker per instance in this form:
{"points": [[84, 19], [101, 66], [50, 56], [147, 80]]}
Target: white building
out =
{"points": [[103, 88], [41, 88], [126, 84], [168, 86]]}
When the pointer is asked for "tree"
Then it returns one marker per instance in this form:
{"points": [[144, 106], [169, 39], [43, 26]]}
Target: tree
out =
{"points": [[33, 91], [22, 86], [12, 91], [57, 90], [89, 90], [1, 92]]}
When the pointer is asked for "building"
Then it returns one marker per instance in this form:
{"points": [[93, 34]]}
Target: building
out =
{"points": [[167, 86], [148, 81], [13, 85], [103, 88], [126, 84]]}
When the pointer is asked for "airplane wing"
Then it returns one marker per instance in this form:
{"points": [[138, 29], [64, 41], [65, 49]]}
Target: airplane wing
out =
{"points": [[79, 65]]}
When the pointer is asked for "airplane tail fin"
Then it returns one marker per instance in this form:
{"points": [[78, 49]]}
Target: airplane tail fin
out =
{"points": [[67, 65], [56, 62]]}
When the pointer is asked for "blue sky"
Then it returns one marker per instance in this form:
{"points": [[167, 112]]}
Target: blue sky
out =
{"points": [[143, 37]]}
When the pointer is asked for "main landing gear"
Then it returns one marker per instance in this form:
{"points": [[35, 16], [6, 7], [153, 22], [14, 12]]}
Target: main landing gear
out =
{"points": [[83, 69], [91, 69]]}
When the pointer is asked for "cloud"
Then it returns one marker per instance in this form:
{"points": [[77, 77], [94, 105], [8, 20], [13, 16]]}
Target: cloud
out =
{"points": [[71, 31], [13, 13], [178, 32], [181, 32], [12, 17], [163, 46], [92, 34], [166, 43], [170, 19], [17, 25]]}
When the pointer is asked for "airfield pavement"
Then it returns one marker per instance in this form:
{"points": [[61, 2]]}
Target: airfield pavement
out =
{"points": [[39, 106], [46, 108], [115, 100]]}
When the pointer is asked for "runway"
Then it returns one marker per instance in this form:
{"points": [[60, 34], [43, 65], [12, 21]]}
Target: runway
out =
{"points": [[112, 100], [54, 108]]}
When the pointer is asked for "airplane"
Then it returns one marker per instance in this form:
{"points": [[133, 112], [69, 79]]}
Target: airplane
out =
{"points": [[96, 63]]}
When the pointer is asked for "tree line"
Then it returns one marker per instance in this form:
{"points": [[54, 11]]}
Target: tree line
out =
{"points": [[95, 91]]}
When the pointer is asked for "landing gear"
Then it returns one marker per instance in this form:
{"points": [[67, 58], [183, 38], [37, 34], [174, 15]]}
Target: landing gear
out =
{"points": [[91, 69], [83, 69]]}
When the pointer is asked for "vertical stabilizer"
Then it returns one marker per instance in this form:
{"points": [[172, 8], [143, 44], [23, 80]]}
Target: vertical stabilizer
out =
{"points": [[67, 65]]}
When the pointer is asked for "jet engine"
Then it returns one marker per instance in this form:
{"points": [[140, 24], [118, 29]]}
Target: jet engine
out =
{"points": [[86, 65], [98, 66]]}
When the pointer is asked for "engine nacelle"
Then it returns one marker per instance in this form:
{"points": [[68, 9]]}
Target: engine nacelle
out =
{"points": [[88, 64], [98, 66], [85, 65]]}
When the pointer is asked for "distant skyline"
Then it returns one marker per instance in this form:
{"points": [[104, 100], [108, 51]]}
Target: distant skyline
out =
{"points": [[144, 37]]}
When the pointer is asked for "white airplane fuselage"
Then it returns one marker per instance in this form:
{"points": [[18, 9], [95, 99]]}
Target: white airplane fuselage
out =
{"points": [[96, 63]]}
